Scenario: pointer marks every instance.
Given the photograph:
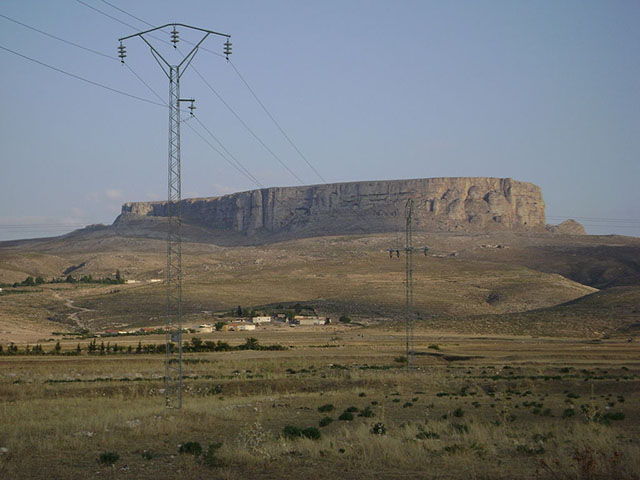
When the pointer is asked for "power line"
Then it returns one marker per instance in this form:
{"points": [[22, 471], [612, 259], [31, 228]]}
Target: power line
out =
{"points": [[58, 38], [594, 219], [276, 123], [126, 13], [247, 127], [286, 167], [239, 167], [77, 77], [247, 173]]}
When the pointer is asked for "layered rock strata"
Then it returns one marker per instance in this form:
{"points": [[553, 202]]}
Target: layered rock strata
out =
{"points": [[439, 204]]}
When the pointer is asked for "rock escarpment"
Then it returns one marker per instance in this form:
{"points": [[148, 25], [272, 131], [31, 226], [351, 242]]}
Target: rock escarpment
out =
{"points": [[439, 204]]}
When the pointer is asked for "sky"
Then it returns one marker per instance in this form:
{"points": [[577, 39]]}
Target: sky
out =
{"points": [[540, 91]]}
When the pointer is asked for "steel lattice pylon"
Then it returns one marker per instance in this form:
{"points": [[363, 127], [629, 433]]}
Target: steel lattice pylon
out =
{"points": [[173, 360], [409, 280], [174, 272]]}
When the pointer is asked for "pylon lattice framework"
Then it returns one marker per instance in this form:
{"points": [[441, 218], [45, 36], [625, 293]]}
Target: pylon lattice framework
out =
{"points": [[174, 272], [409, 281]]}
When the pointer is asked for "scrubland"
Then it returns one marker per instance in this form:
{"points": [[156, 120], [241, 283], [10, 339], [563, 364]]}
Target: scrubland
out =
{"points": [[471, 407]]}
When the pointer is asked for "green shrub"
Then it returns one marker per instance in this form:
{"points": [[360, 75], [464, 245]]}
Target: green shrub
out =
{"points": [[292, 432], [325, 421], [458, 412], [311, 432], [108, 458], [148, 455], [210, 457], [193, 448], [346, 416], [367, 412], [352, 409], [326, 408]]}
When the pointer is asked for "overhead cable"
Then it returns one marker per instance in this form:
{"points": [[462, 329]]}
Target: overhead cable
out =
{"points": [[78, 77]]}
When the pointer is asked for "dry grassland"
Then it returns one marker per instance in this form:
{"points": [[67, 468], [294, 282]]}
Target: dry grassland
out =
{"points": [[474, 407]]}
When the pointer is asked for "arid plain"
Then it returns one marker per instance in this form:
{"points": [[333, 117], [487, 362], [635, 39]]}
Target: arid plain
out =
{"points": [[526, 360]]}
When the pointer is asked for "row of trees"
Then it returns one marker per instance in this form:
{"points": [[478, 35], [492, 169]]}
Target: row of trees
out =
{"points": [[32, 282], [289, 311], [94, 348]]}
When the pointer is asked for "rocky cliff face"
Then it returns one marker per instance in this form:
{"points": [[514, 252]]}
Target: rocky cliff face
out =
{"points": [[440, 204]]}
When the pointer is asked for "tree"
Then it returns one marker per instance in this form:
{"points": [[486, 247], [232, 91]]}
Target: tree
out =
{"points": [[29, 282], [57, 348], [239, 311], [219, 325], [78, 349], [345, 319], [251, 343], [139, 347], [196, 343], [40, 281], [119, 278]]}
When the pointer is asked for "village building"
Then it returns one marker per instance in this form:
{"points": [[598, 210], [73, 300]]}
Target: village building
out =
{"points": [[238, 327], [261, 319], [308, 321]]}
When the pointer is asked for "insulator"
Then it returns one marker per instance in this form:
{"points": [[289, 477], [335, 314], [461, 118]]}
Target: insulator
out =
{"points": [[227, 49], [192, 107], [122, 52], [174, 37]]}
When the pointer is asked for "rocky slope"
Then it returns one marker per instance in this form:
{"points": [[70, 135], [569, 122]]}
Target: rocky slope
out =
{"points": [[440, 204]]}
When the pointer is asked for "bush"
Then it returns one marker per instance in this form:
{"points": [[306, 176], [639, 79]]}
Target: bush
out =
{"points": [[345, 319], [378, 429], [352, 409], [108, 458], [367, 412], [210, 458], [458, 412], [346, 416], [291, 432], [311, 432], [193, 448], [325, 421], [326, 408]]}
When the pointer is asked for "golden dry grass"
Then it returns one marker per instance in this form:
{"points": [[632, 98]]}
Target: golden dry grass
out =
{"points": [[498, 414]]}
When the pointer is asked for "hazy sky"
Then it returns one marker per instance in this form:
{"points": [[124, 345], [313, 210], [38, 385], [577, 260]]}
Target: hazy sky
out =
{"points": [[540, 91]]}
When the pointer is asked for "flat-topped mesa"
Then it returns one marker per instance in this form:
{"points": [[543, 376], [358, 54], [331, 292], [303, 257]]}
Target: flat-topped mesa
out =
{"points": [[439, 204]]}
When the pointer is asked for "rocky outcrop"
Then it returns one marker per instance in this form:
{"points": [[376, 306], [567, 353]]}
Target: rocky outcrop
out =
{"points": [[568, 227], [440, 204]]}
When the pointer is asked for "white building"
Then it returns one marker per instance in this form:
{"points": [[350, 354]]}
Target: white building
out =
{"points": [[259, 320], [239, 327], [306, 321]]}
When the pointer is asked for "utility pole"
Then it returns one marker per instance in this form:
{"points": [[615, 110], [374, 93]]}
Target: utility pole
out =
{"points": [[409, 280], [174, 273]]}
